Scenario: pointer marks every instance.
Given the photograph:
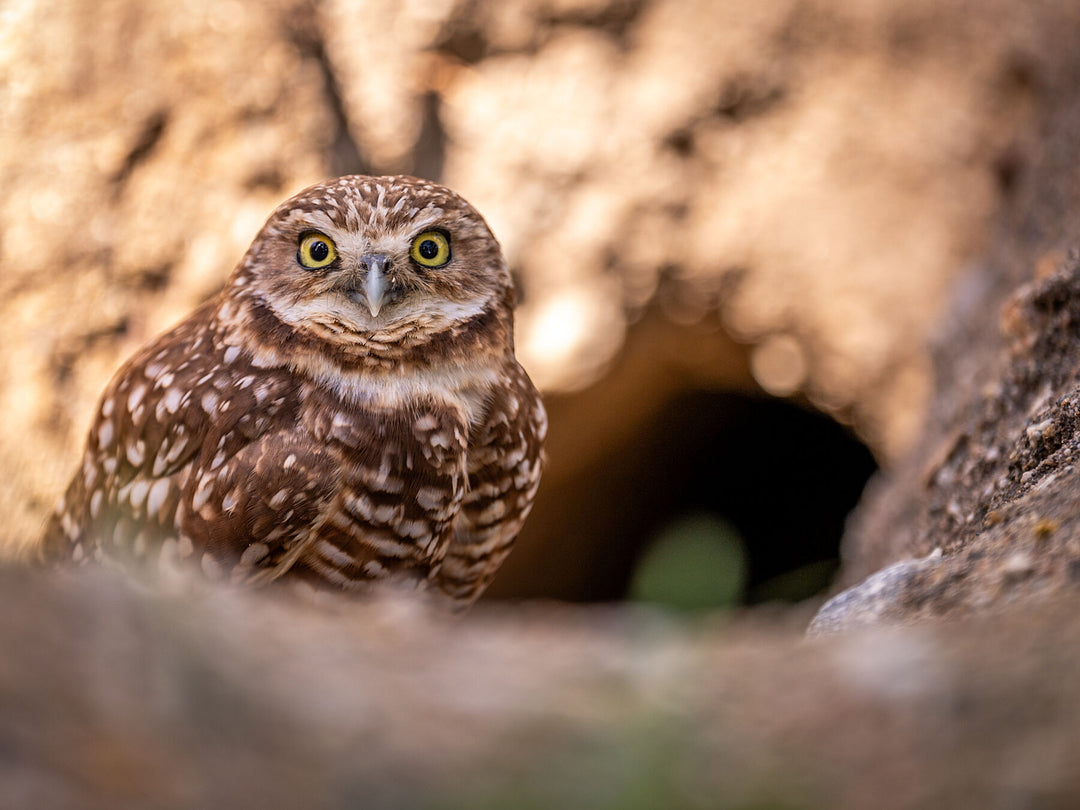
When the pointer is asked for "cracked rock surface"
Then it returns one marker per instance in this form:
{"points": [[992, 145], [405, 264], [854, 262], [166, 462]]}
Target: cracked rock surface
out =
{"points": [[991, 487]]}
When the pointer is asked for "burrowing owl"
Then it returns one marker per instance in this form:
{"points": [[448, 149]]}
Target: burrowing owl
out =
{"points": [[347, 409]]}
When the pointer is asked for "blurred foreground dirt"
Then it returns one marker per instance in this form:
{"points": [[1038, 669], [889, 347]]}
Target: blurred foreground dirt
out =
{"points": [[114, 698]]}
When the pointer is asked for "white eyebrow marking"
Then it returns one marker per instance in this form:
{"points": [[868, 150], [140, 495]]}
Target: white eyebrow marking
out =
{"points": [[320, 219], [434, 216]]}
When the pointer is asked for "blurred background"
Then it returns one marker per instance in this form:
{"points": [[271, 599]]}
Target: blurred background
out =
{"points": [[732, 224]]}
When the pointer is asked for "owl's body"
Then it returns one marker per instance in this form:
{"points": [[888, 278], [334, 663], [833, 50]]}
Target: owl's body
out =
{"points": [[347, 410]]}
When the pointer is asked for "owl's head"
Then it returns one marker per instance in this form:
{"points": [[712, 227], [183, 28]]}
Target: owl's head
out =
{"points": [[363, 256]]}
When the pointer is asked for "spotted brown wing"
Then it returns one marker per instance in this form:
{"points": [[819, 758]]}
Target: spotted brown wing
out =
{"points": [[192, 454]]}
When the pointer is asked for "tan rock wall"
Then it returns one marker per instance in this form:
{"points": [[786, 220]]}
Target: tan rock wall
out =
{"points": [[804, 177]]}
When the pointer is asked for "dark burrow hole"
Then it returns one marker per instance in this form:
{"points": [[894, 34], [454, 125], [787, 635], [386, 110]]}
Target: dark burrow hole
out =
{"points": [[715, 481]]}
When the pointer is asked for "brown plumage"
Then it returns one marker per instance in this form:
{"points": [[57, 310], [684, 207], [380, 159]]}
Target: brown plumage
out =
{"points": [[348, 409]]}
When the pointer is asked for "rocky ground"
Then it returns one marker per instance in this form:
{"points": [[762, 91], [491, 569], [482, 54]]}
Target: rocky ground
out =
{"points": [[867, 207]]}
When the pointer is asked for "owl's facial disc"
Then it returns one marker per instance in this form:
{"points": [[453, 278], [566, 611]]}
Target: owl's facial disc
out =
{"points": [[388, 278], [349, 274]]}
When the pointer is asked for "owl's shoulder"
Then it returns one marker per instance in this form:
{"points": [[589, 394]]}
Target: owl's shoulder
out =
{"points": [[188, 388]]}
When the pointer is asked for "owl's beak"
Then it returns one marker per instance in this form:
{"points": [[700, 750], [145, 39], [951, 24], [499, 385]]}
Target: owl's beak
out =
{"points": [[375, 283]]}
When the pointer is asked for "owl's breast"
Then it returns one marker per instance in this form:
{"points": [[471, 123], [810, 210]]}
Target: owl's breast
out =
{"points": [[398, 483], [429, 426]]}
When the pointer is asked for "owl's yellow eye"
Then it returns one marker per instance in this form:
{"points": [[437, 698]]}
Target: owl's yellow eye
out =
{"points": [[316, 250], [431, 249]]}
